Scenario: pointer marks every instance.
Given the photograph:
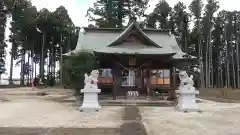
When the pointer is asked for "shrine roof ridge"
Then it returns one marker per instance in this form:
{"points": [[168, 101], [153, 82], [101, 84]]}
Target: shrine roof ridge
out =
{"points": [[122, 29]]}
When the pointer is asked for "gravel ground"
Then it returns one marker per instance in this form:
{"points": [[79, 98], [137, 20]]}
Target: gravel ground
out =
{"points": [[41, 113], [25, 114], [216, 119]]}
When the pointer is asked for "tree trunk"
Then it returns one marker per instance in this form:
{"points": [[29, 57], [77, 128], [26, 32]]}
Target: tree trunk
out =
{"points": [[48, 64], [54, 66], [28, 79], [22, 81], [61, 62], [233, 68], [35, 66], [11, 65], [208, 55], [61, 67], [210, 58], [42, 58], [32, 62], [221, 77], [207, 65], [186, 42], [200, 55], [52, 63], [237, 49], [227, 80]]}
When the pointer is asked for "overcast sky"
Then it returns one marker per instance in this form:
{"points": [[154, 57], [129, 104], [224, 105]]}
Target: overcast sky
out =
{"points": [[77, 8], [77, 11]]}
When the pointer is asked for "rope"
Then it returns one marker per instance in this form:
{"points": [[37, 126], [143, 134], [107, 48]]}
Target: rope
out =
{"points": [[135, 69]]}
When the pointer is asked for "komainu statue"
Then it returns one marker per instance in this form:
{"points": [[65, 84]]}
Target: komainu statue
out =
{"points": [[90, 91], [187, 82], [91, 80], [186, 92]]}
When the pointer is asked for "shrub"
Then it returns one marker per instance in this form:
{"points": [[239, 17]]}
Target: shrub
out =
{"points": [[83, 62]]}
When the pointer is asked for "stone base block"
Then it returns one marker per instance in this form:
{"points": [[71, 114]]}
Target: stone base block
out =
{"points": [[186, 110], [88, 109]]}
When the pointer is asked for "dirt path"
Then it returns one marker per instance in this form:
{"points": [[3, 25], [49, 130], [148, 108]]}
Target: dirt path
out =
{"points": [[132, 122], [58, 131]]}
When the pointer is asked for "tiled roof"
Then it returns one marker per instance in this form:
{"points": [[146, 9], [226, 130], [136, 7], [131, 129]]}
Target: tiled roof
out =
{"points": [[100, 40]]}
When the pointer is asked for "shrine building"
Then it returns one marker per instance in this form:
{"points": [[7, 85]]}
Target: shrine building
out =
{"points": [[134, 59]]}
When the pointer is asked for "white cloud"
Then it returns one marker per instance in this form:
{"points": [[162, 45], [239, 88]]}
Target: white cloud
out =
{"points": [[77, 11]]}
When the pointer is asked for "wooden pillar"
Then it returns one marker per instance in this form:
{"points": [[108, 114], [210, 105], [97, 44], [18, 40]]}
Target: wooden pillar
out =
{"points": [[148, 81], [116, 80], [171, 92], [142, 81], [174, 78], [114, 90]]}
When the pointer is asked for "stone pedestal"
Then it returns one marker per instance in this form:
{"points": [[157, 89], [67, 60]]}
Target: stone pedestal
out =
{"points": [[90, 99], [187, 100]]}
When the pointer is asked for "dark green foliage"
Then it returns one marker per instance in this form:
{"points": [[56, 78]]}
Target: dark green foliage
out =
{"points": [[2, 66], [114, 13], [3, 20], [80, 64], [51, 80], [40, 34]]}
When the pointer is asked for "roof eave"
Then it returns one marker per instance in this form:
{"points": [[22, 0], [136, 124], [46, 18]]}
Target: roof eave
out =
{"points": [[190, 58], [126, 53], [76, 52]]}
